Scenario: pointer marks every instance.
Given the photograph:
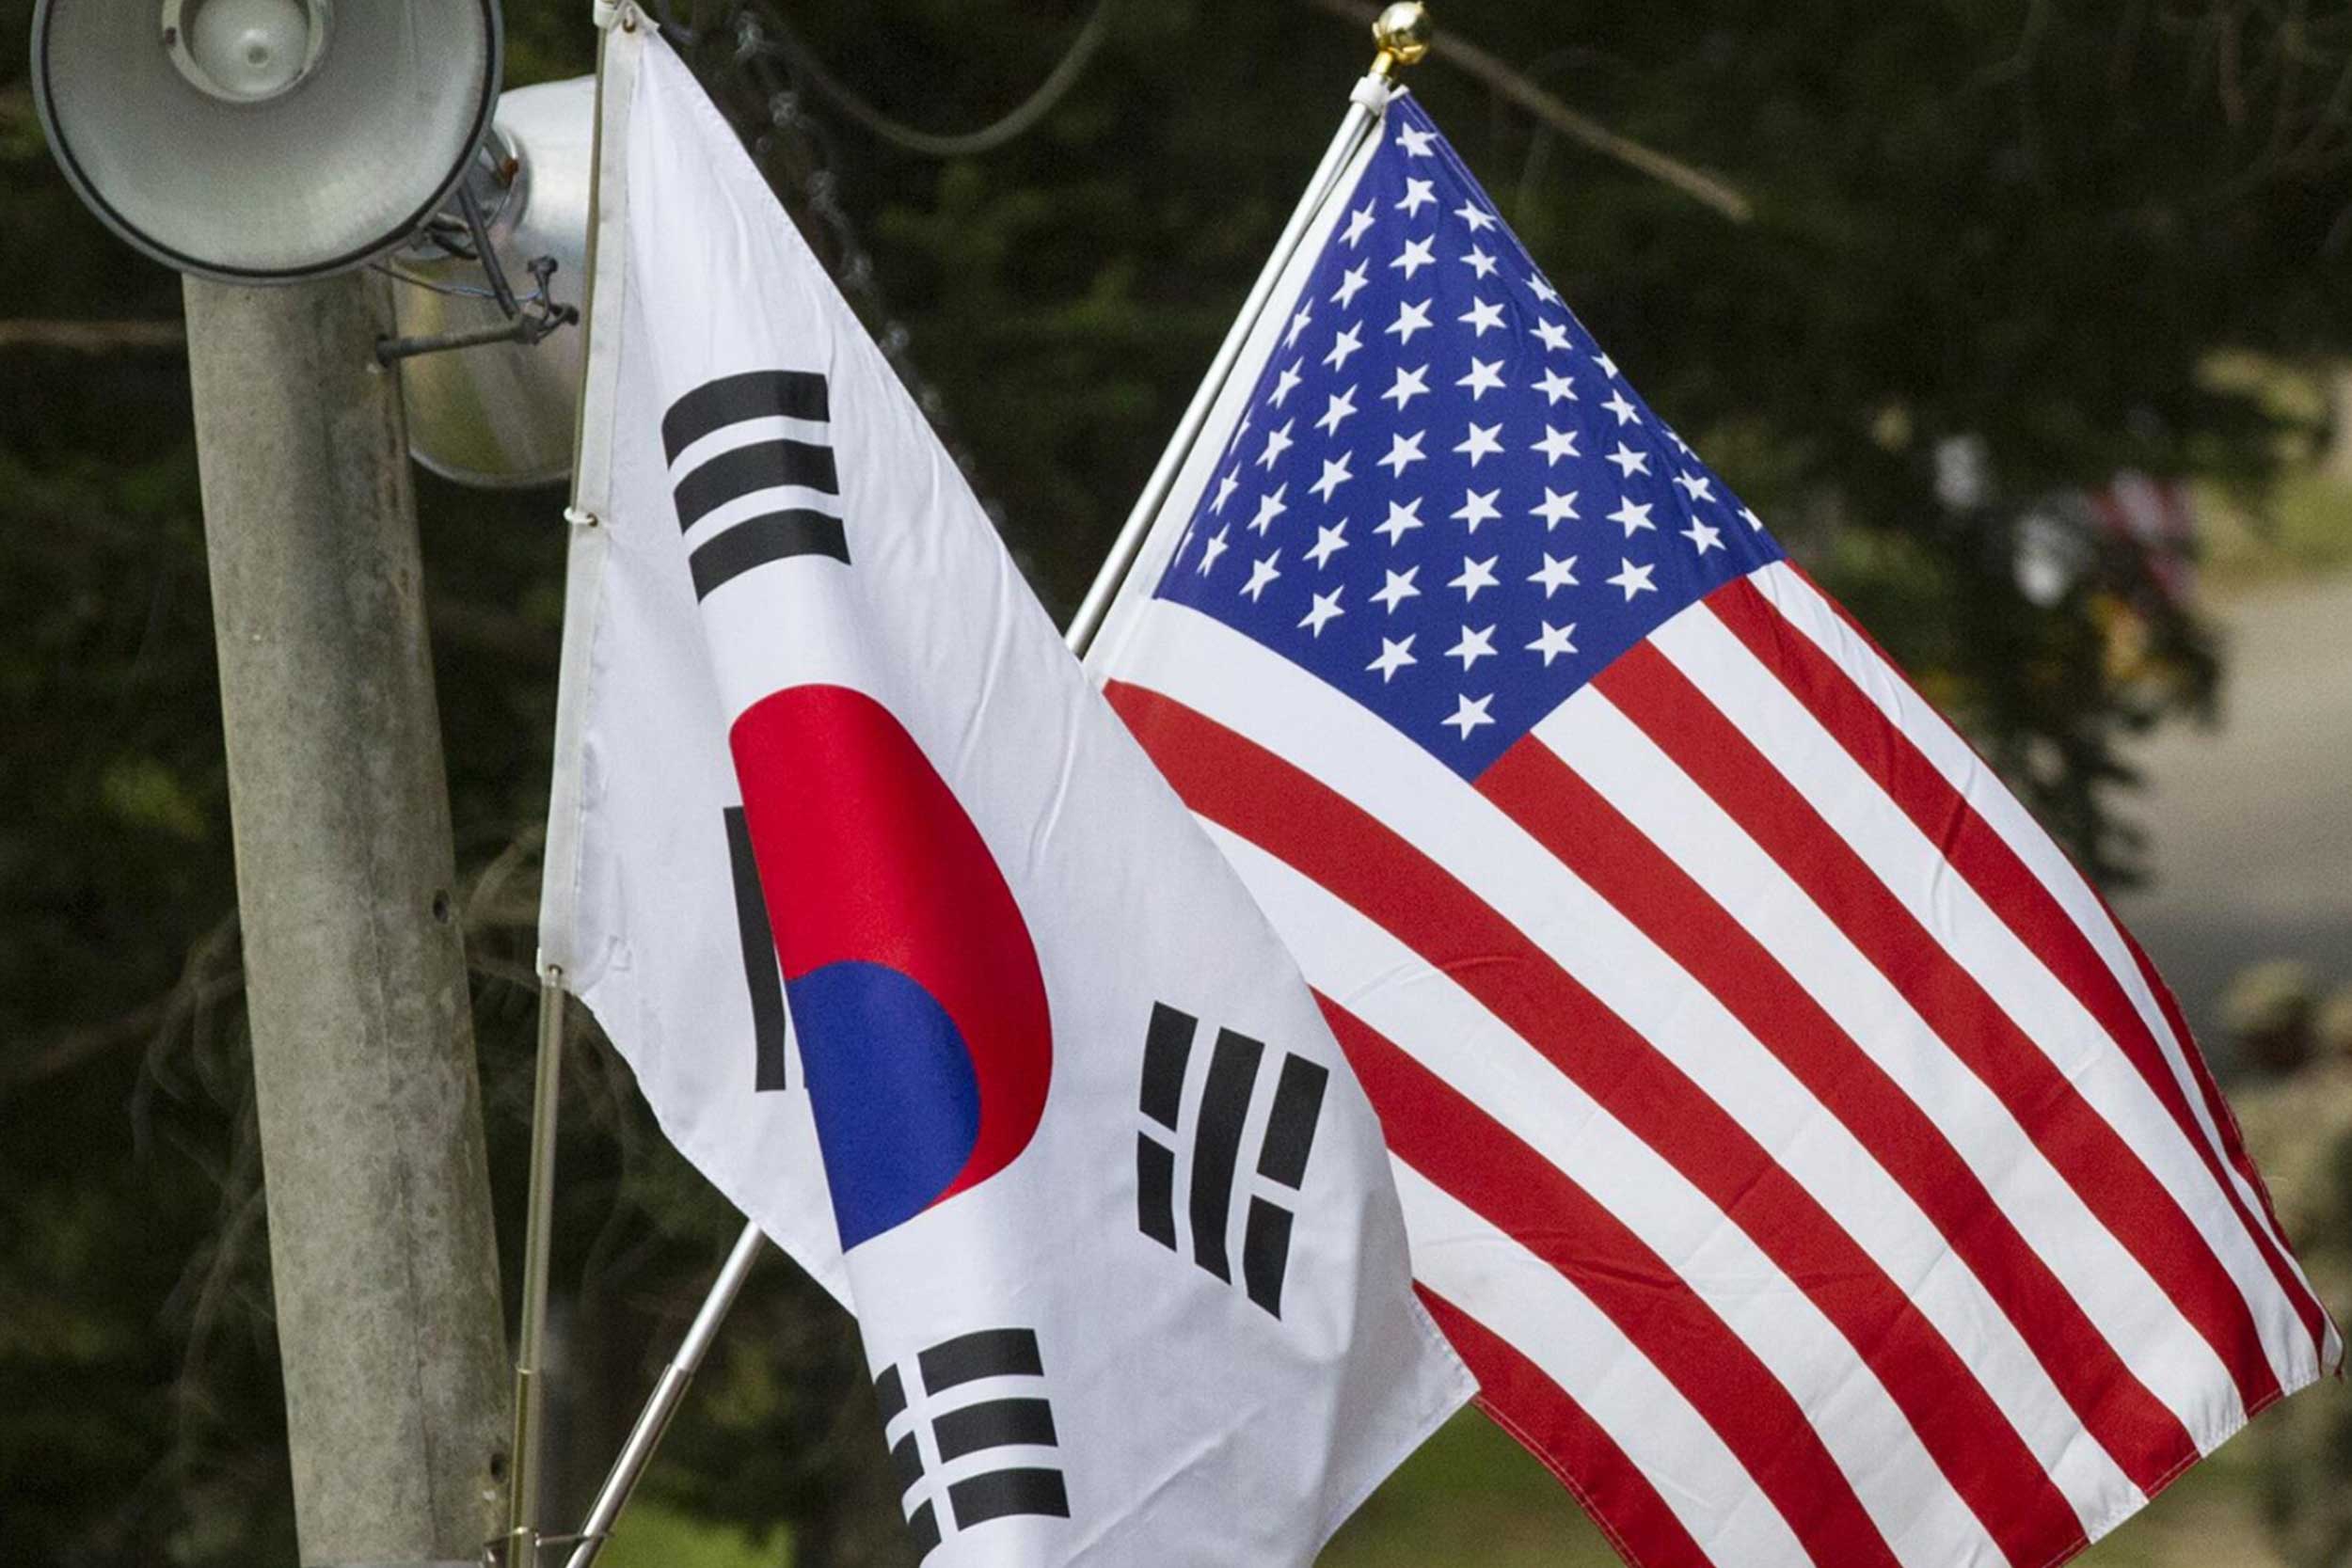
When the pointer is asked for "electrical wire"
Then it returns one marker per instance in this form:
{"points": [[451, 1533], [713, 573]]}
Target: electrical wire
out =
{"points": [[753, 36]]}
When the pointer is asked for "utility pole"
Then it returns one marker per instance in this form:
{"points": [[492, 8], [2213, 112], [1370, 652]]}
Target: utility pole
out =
{"points": [[381, 1247]]}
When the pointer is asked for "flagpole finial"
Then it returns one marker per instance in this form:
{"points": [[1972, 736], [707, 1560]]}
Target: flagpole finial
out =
{"points": [[1403, 32]]}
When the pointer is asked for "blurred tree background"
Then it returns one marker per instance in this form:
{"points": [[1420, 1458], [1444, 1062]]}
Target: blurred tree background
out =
{"points": [[2001, 251]]}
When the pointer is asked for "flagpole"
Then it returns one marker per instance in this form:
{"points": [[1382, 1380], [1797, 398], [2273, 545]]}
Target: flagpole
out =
{"points": [[522, 1539], [1402, 34], [669, 1392]]}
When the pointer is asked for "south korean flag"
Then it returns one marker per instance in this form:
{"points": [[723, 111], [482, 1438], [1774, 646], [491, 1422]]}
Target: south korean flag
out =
{"points": [[913, 952]]}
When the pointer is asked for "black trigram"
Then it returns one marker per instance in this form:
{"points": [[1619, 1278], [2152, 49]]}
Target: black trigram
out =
{"points": [[778, 462], [1215, 1133], [926, 1400], [761, 973]]}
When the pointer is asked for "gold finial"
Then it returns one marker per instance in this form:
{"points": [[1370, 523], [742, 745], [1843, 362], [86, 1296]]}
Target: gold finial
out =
{"points": [[1403, 32]]}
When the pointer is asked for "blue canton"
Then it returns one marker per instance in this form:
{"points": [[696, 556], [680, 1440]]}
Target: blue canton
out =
{"points": [[1444, 500]]}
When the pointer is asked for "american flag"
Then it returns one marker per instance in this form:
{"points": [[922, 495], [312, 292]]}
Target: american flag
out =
{"points": [[1811, 1168]]}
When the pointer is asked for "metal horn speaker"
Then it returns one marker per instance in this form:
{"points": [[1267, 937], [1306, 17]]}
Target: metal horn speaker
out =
{"points": [[500, 414], [265, 141]]}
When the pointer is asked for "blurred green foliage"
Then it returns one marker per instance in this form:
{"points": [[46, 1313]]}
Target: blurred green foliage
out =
{"points": [[2029, 226]]}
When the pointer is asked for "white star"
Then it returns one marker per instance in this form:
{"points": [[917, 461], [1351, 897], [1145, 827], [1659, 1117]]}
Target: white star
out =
{"points": [[1260, 574], [1327, 610], [1409, 384], [1270, 508], [1358, 221], [1481, 441], [1334, 475], [1225, 488], [1541, 288], [1284, 382], [1482, 315], [1417, 194], [1393, 656], [1344, 345], [1213, 548], [1341, 405], [1415, 142], [1328, 542], [1552, 333], [1555, 574], [1486, 375], [1751, 518], [1630, 462], [1556, 509], [1474, 575], [1554, 640], [1398, 589], [1409, 320], [1697, 486], [1554, 387], [1298, 325], [1608, 366], [1703, 537], [1415, 256], [1627, 414], [1480, 263], [1404, 451], [1681, 445], [1633, 515], [1402, 521], [1555, 445], [1471, 715], [1351, 283], [1469, 213], [1277, 443], [1474, 646], [1477, 509], [1633, 580]]}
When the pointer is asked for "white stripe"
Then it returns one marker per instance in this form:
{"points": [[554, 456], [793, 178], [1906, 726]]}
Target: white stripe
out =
{"points": [[1258, 694], [744, 433], [755, 503], [2124, 1305], [1372, 975], [1803, 607], [1908, 863], [1524, 1301]]}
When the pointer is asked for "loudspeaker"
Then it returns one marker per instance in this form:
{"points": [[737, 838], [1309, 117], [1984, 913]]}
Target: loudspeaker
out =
{"points": [[263, 141], [502, 414]]}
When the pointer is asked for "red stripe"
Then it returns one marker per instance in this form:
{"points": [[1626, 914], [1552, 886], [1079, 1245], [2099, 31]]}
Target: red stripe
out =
{"points": [[2004, 882], [2223, 1116], [2088, 1152], [1588, 834], [1338, 846], [1432, 1129], [1302, 820], [1555, 1429]]}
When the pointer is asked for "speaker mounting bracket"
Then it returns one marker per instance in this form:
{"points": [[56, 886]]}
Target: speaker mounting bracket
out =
{"points": [[529, 320]]}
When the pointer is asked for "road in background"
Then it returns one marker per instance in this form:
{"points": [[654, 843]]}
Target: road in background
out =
{"points": [[2249, 823]]}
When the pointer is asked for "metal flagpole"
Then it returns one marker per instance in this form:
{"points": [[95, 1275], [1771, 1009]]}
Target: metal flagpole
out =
{"points": [[669, 1392], [1403, 34], [522, 1497], [522, 1538]]}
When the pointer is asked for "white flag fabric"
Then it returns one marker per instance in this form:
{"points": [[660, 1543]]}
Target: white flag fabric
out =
{"points": [[1056, 1113]]}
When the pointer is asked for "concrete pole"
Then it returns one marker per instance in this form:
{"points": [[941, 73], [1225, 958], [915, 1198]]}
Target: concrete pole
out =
{"points": [[385, 1272]]}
